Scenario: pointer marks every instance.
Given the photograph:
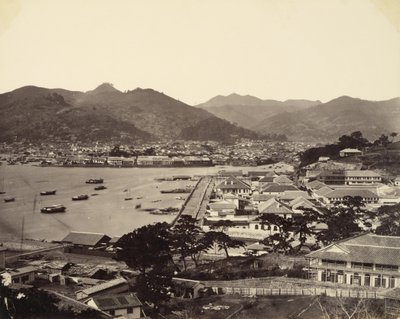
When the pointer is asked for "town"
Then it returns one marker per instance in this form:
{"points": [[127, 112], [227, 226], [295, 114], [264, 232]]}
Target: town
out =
{"points": [[320, 228]]}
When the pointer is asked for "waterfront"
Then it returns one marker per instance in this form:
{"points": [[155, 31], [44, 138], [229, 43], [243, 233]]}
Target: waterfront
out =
{"points": [[107, 212]]}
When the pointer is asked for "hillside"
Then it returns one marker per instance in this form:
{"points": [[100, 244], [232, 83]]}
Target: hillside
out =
{"points": [[248, 111], [105, 113], [343, 115]]}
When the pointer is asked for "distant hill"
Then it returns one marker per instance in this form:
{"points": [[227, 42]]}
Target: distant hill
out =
{"points": [[105, 113], [328, 121], [248, 111]]}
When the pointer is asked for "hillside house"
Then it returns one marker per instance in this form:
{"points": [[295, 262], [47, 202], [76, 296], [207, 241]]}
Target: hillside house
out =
{"points": [[365, 260], [23, 275], [85, 242], [125, 305], [114, 286], [350, 152], [278, 189]]}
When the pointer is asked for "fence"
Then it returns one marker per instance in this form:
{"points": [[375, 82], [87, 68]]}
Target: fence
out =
{"points": [[316, 291]]}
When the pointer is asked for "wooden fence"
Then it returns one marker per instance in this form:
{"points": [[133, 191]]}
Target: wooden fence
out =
{"points": [[316, 291]]}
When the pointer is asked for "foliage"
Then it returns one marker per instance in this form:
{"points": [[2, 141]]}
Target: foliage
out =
{"points": [[223, 241], [146, 247], [389, 219], [344, 220], [354, 140], [188, 239]]}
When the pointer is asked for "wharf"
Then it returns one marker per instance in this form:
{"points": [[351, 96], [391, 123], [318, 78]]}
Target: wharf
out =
{"points": [[196, 203]]}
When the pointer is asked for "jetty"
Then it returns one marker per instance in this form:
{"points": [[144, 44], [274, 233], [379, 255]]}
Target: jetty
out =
{"points": [[196, 203]]}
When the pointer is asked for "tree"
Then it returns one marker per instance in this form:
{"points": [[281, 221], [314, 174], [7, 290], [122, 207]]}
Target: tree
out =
{"points": [[146, 247], [223, 241], [187, 239], [279, 242], [393, 135], [304, 225], [344, 220], [148, 250], [389, 220]]}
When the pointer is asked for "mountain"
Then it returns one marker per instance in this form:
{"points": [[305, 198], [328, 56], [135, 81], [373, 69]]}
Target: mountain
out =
{"points": [[105, 113], [248, 111], [328, 121]]}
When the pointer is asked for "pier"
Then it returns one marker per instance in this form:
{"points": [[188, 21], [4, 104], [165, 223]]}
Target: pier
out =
{"points": [[196, 203]]}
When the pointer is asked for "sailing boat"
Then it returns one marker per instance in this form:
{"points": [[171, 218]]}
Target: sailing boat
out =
{"points": [[128, 194]]}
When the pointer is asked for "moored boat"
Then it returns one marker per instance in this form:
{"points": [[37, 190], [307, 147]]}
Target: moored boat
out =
{"points": [[51, 192], [9, 199], [99, 188], [80, 197], [53, 209], [95, 181]]}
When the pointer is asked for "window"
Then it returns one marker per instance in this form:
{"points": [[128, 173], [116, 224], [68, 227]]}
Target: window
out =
{"points": [[112, 312], [129, 310], [25, 278], [275, 228], [256, 226]]}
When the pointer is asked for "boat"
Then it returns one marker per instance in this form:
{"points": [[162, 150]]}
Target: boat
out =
{"points": [[52, 192], [80, 197], [53, 209], [128, 194], [2, 192], [95, 181], [9, 199], [99, 188], [138, 206], [177, 191]]}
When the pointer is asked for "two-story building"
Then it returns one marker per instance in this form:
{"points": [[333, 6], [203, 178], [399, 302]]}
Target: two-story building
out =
{"points": [[365, 260]]}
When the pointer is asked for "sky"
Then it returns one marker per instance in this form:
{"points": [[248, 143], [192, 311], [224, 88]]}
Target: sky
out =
{"points": [[193, 50]]}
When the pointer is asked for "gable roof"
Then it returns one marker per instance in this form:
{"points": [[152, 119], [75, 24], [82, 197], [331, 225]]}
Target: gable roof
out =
{"points": [[85, 238], [315, 185], [117, 301], [299, 202], [267, 179], [262, 197], [290, 195], [340, 193], [233, 183], [282, 179], [260, 173], [21, 271], [323, 191], [104, 286], [272, 206], [367, 248], [277, 188]]}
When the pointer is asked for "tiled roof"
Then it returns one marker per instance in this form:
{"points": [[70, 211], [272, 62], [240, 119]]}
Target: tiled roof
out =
{"points": [[233, 183], [276, 188], [340, 193], [367, 248], [301, 201], [267, 179], [262, 197], [315, 185], [118, 301], [104, 286], [290, 195], [84, 238], [323, 191], [272, 206], [282, 180]]}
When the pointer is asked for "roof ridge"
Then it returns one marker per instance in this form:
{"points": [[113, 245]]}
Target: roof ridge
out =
{"points": [[374, 246]]}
